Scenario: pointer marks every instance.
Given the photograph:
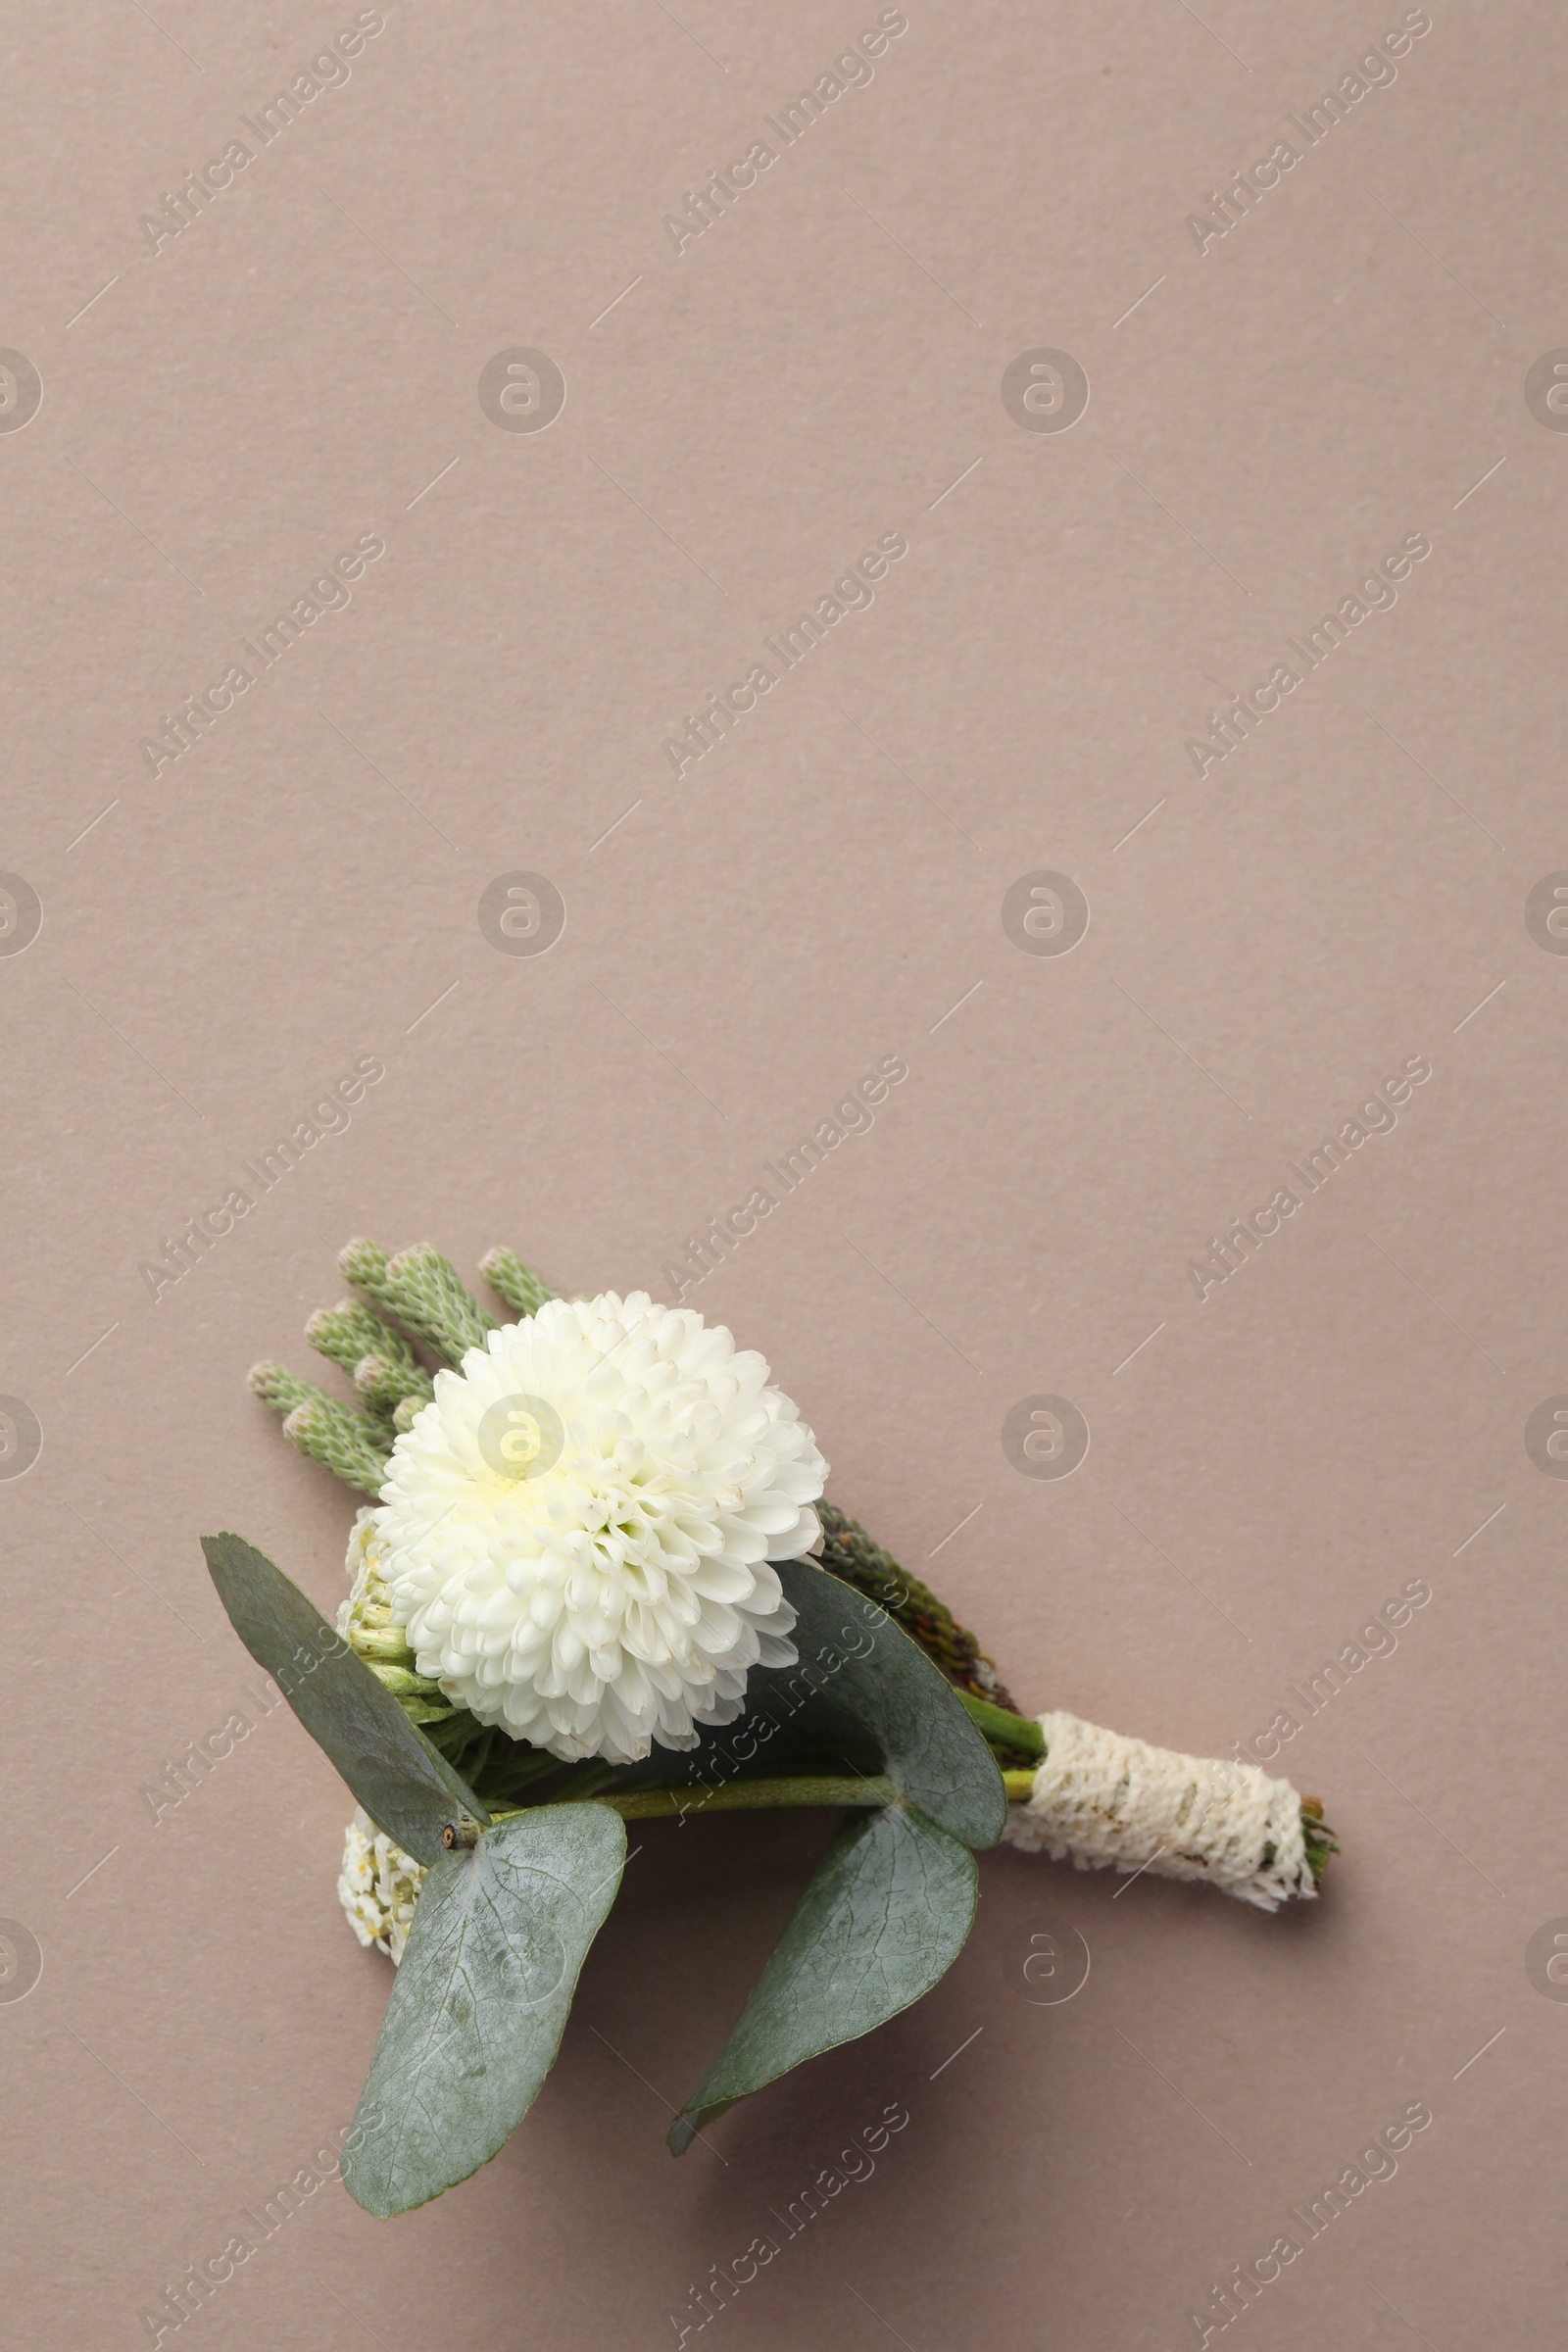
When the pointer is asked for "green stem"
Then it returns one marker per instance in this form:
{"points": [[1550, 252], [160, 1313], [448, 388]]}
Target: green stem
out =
{"points": [[739, 1796], [1003, 1729]]}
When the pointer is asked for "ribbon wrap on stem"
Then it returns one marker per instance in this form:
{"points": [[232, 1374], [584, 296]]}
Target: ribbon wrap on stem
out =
{"points": [[1106, 1801]]}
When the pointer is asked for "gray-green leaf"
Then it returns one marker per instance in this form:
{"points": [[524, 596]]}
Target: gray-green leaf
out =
{"points": [[406, 1786], [481, 1998], [883, 1919], [866, 1666], [862, 1696]]}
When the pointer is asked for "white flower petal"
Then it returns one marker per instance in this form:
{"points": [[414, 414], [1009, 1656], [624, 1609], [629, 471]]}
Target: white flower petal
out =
{"points": [[611, 1589]]}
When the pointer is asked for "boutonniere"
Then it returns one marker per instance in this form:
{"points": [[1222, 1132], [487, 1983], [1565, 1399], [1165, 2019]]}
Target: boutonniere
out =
{"points": [[599, 1583]]}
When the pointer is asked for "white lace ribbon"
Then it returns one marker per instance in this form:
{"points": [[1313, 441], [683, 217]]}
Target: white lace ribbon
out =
{"points": [[1108, 1801]]}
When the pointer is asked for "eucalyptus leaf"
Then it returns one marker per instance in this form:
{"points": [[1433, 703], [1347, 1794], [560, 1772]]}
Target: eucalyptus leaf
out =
{"points": [[862, 1696], [883, 1919], [499, 1935], [406, 1788]]}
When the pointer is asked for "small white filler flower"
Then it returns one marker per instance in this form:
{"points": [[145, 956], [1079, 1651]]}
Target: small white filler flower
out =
{"points": [[577, 1531], [377, 1885]]}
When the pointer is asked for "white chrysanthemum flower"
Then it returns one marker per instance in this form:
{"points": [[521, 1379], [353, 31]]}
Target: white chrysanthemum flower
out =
{"points": [[379, 1886], [576, 1532]]}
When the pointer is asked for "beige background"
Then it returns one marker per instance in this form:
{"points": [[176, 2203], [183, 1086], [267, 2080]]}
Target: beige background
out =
{"points": [[1268, 419]]}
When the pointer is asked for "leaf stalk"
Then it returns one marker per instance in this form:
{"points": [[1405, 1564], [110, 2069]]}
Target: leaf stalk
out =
{"points": [[738, 1796]]}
